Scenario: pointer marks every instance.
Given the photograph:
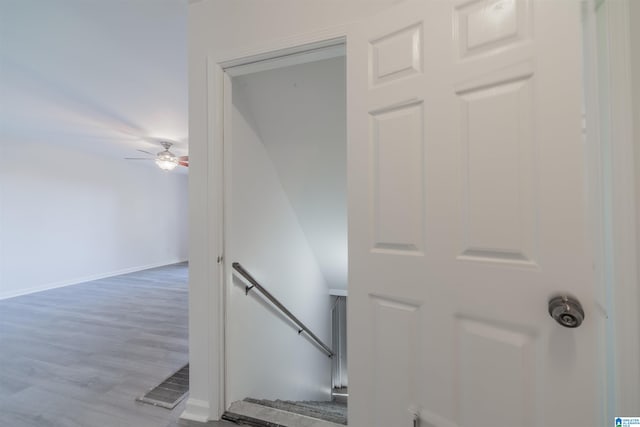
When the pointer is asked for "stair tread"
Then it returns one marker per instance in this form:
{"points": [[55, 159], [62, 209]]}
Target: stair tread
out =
{"points": [[330, 411]]}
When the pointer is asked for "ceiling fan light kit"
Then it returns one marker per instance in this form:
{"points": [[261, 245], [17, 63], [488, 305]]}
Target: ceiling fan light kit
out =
{"points": [[165, 160]]}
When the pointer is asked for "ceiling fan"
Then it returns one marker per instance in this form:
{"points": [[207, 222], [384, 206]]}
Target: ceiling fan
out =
{"points": [[165, 159]]}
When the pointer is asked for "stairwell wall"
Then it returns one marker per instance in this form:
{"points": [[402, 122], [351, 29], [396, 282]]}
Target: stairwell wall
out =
{"points": [[267, 358]]}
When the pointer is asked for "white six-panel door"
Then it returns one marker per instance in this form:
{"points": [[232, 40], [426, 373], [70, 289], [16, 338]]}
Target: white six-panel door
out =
{"points": [[467, 212]]}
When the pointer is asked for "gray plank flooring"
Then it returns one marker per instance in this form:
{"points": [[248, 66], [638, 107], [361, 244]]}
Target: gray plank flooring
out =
{"points": [[79, 356]]}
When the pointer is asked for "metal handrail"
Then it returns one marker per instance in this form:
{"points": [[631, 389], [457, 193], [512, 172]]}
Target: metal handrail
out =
{"points": [[302, 327]]}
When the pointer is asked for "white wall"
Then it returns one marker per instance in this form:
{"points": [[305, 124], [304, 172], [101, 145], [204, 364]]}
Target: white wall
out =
{"points": [[216, 29], [267, 358], [300, 113], [82, 85], [67, 216]]}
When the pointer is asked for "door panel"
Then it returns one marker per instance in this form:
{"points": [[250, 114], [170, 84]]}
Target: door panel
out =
{"points": [[484, 26], [395, 325], [499, 216], [398, 178], [466, 214], [396, 55], [509, 379]]}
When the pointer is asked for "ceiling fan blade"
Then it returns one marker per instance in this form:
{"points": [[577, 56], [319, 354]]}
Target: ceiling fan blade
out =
{"points": [[146, 152], [183, 161], [137, 158]]}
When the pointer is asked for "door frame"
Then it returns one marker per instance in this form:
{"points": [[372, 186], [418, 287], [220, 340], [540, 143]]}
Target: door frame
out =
{"points": [[300, 49], [622, 390], [274, 59], [609, 106]]}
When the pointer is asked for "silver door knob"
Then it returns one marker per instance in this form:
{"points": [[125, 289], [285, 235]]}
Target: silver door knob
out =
{"points": [[566, 310]]}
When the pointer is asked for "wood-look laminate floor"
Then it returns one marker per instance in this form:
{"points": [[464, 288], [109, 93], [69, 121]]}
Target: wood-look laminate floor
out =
{"points": [[79, 356]]}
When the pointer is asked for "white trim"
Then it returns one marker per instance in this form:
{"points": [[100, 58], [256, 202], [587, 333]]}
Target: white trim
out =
{"points": [[325, 50], [623, 220], [227, 101], [285, 46], [196, 410], [84, 279], [216, 236], [612, 187], [598, 210], [218, 130], [338, 292], [210, 324]]}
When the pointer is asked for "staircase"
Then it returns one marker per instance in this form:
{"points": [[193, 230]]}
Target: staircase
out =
{"points": [[282, 413]]}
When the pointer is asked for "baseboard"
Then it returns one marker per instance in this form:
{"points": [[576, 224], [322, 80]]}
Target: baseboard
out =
{"points": [[84, 279], [196, 410]]}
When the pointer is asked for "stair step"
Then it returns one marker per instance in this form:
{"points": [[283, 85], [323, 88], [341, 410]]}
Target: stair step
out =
{"points": [[340, 395], [276, 416], [247, 421], [332, 411]]}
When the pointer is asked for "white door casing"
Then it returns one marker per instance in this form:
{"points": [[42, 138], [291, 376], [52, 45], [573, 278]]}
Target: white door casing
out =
{"points": [[467, 212]]}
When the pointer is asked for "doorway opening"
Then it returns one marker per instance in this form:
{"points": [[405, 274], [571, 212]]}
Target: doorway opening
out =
{"points": [[285, 161]]}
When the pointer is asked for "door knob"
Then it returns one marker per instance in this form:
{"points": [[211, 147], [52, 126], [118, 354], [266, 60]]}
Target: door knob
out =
{"points": [[566, 310]]}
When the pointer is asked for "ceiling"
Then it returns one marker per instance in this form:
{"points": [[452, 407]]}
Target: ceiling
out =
{"points": [[106, 76]]}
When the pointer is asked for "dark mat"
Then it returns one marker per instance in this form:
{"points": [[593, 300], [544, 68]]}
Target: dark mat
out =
{"points": [[170, 391]]}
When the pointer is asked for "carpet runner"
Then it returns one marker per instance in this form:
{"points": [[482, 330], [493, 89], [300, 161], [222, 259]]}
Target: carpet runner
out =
{"points": [[334, 412]]}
